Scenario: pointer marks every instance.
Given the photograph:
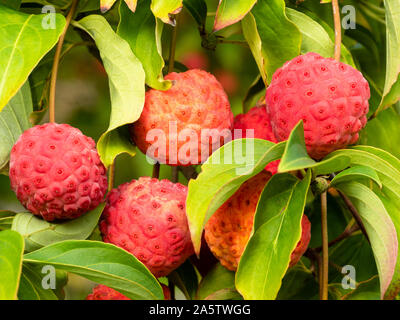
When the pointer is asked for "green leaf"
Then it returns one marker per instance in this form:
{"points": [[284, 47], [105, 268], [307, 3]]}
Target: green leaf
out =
{"points": [[298, 284], [11, 250], [126, 79], [6, 219], [31, 287], [14, 4], [356, 172], [198, 9], [231, 11], [315, 38], [23, 43], [115, 143], [14, 120], [219, 278], [222, 174], [380, 229], [162, 9], [392, 205], [139, 28], [391, 92], [277, 230], [354, 251], [272, 37], [296, 157], [383, 132], [185, 278], [102, 263], [40, 233], [225, 294]]}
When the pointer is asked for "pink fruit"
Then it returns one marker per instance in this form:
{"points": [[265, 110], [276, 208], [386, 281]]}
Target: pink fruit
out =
{"points": [[147, 217], [329, 96], [56, 172], [102, 292], [258, 120], [196, 107]]}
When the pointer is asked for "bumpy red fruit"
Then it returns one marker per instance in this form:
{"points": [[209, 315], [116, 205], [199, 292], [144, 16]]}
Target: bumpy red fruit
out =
{"points": [[102, 292], [147, 217], [258, 120], [329, 96], [185, 124], [229, 228], [56, 172]]}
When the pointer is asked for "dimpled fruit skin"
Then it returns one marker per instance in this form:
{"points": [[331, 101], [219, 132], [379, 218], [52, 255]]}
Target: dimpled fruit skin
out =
{"points": [[102, 292], [196, 102], [229, 228], [331, 97], [56, 172], [258, 120], [147, 217]]}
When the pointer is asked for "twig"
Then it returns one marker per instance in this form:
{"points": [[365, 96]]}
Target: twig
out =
{"points": [[172, 47], [111, 175], [325, 249], [344, 235], [338, 29], [54, 71], [354, 212], [156, 170], [189, 172], [175, 174]]}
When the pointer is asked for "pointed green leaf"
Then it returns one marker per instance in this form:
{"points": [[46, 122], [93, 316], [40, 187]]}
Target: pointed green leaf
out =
{"points": [[381, 231], [315, 37], [222, 174], [139, 28], [23, 43], [102, 263], [126, 79], [231, 11], [219, 278], [280, 38], [162, 9], [277, 230], [11, 251], [185, 278], [31, 287], [40, 233], [356, 172], [14, 120], [391, 92], [295, 156]]}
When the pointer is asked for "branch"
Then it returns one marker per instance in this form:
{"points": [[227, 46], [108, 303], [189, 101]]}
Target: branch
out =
{"points": [[54, 71], [354, 212], [338, 29], [324, 267]]}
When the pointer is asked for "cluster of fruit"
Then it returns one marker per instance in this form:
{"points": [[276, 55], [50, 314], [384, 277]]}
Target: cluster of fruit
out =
{"points": [[57, 174]]}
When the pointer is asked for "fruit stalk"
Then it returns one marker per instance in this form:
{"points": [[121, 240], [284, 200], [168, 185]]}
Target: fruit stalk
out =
{"points": [[338, 29], [325, 249], [111, 175], [171, 64], [156, 170], [56, 63]]}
